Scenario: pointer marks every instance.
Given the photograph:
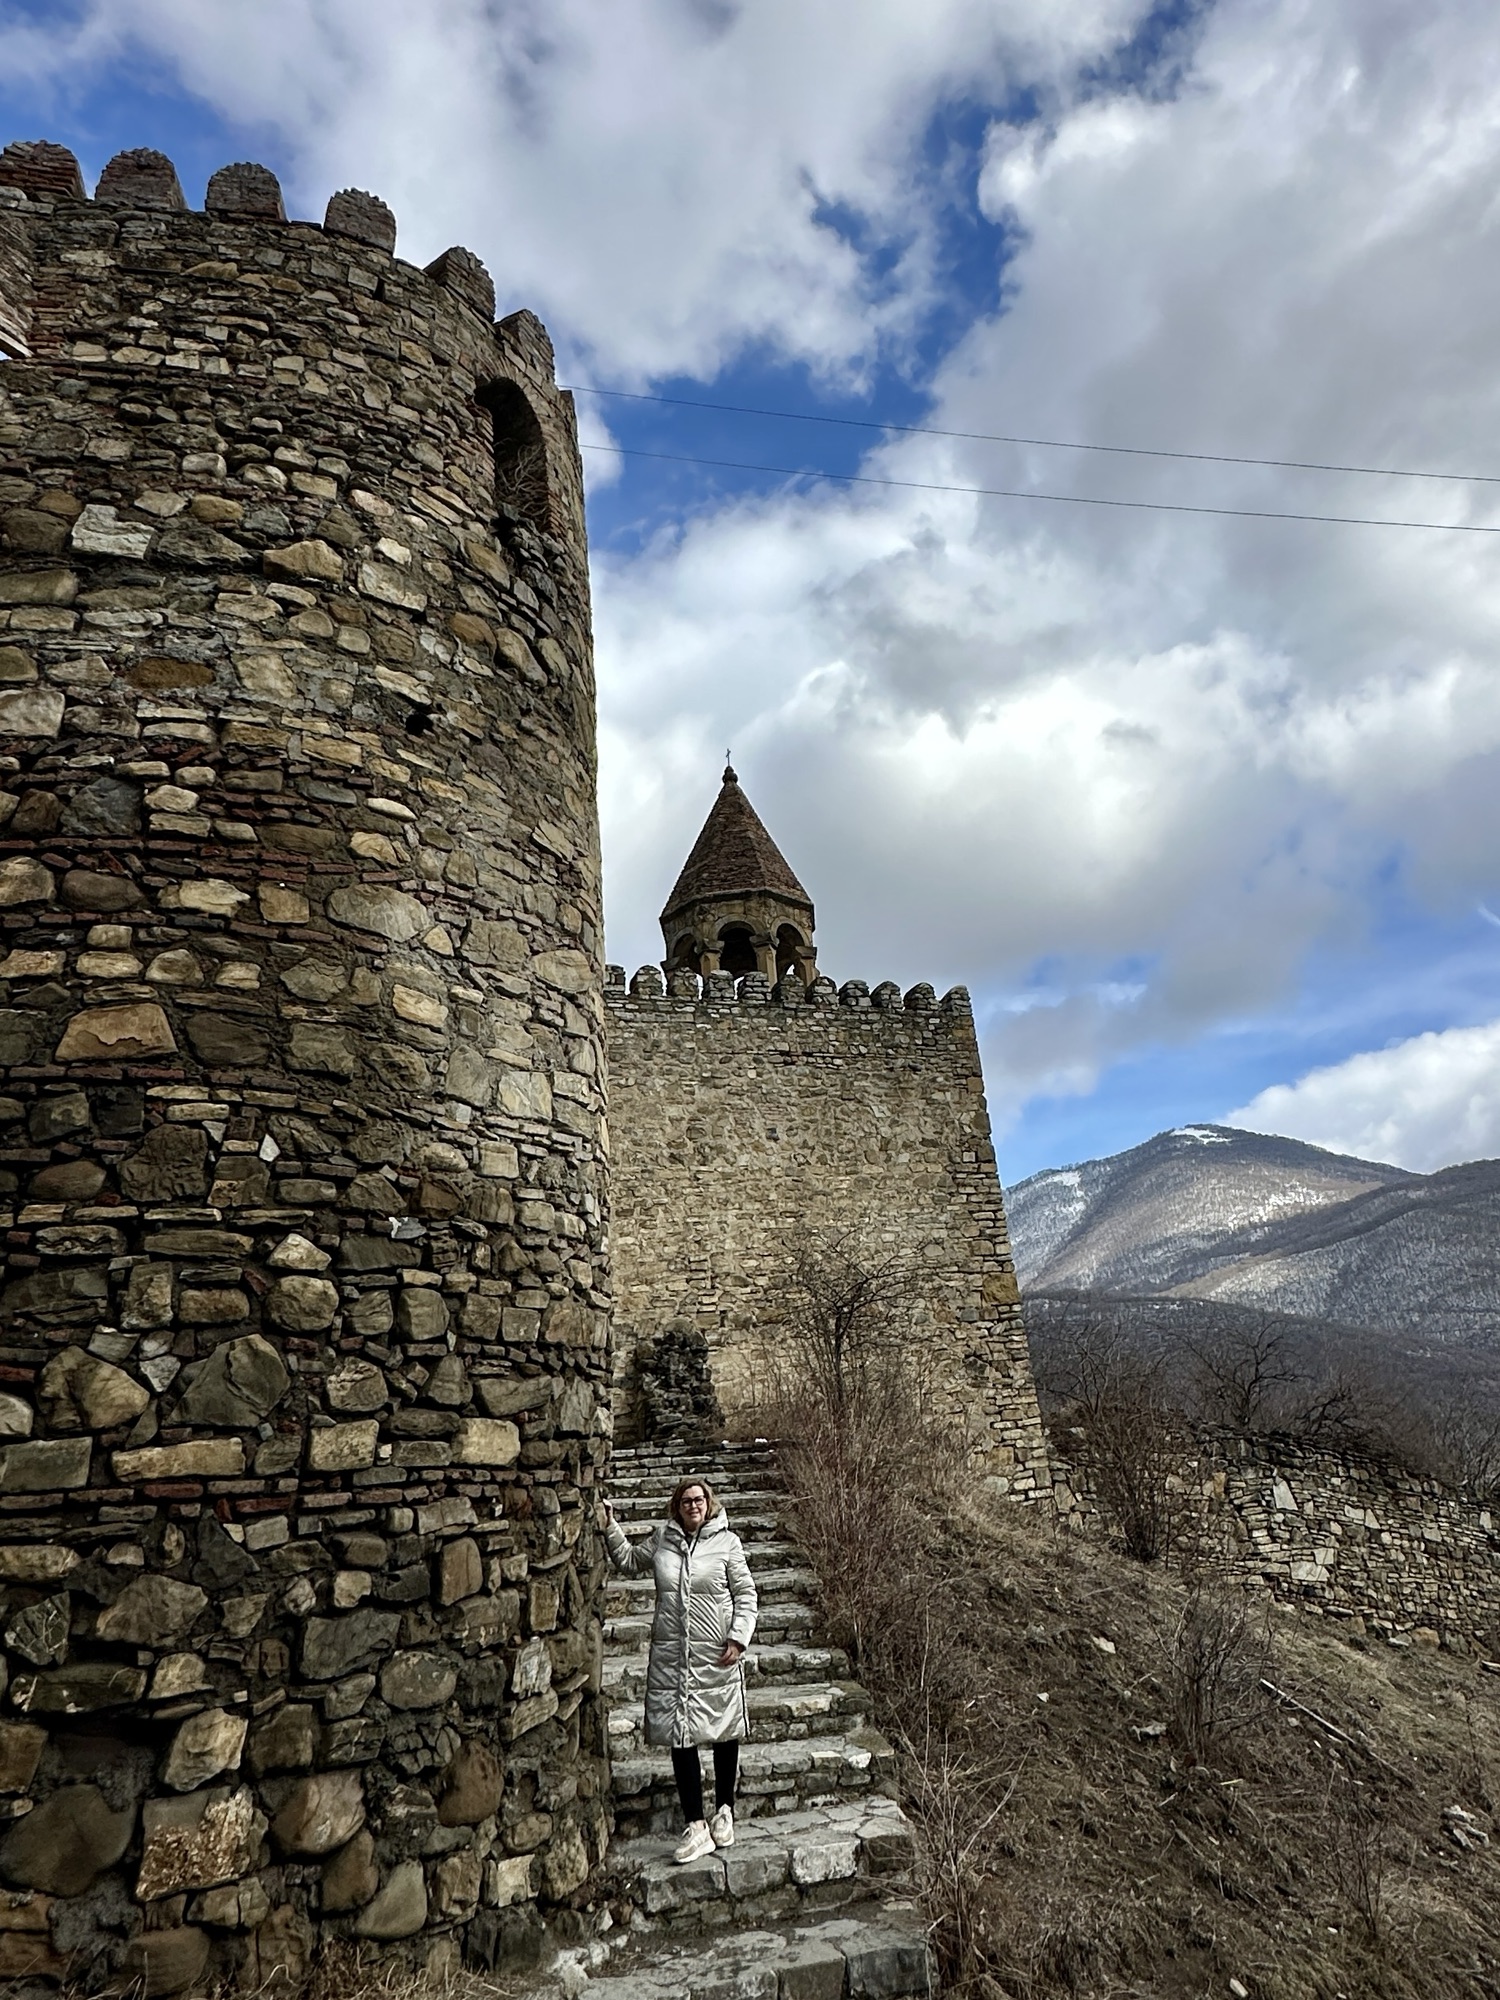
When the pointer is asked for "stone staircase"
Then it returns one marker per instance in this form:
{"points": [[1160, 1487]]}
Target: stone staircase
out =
{"points": [[813, 1901]]}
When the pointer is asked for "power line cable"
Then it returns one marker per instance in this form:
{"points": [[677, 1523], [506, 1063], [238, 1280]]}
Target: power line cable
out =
{"points": [[1047, 444], [1064, 499]]}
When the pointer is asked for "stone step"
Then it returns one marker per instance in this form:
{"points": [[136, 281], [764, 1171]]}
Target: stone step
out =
{"points": [[689, 1464], [780, 1712], [777, 1868], [628, 1624], [637, 1474], [775, 1778], [875, 1951], [721, 1451], [625, 1671]]}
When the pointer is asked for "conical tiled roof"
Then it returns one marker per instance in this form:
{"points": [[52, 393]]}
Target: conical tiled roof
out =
{"points": [[734, 856]]}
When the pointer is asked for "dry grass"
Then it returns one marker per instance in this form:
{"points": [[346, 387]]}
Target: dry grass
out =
{"points": [[346, 1971], [1153, 1819]]}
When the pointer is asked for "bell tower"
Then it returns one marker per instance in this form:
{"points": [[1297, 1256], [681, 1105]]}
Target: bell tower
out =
{"points": [[737, 907]]}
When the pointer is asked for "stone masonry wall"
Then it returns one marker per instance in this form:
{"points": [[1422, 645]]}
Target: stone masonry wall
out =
{"points": [[739, 1117], [303, 1329], [1348, 1538], [1365, 1542]]}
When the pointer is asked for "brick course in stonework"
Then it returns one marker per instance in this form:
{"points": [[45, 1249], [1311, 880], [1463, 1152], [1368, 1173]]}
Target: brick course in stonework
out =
{"points": [[303, 1333], [741, 1115]]}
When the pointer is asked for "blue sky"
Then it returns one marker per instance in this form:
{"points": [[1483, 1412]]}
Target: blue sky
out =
{"points": [[1203, 810]]}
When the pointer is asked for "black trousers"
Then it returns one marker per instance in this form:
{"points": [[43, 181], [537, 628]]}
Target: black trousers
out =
{"points": [[688, 1771]]}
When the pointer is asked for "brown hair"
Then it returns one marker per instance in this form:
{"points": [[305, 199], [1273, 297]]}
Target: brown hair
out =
{"points": [[686, 1486]]}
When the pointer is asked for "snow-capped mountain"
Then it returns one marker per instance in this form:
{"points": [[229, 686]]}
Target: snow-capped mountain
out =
{"points": [[1213, 1213]]}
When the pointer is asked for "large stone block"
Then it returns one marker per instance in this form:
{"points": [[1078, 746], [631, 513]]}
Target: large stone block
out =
{"points": [[116, 1034], [473, 1786], [202, 1458], [67, 1840], [44, 1465], [335, 1646], [322, 1813], [241, 1382], [152, 1611], [80, 1392], [351, 1878], [486, 1441], [206, 1745], [194, 1842], [400, 1908]]}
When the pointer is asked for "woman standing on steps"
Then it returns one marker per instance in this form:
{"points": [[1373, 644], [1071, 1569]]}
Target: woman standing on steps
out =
{"points": [[706, 1608]]}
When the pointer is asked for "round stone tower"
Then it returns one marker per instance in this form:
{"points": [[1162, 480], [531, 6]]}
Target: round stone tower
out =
{"points": [[303, 1331]]}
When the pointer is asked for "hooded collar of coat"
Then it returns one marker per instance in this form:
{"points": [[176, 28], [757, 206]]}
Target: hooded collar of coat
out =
{"points": [[716, 1524]]}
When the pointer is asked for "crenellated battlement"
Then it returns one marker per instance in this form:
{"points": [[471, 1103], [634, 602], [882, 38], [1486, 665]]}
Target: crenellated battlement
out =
{"points": [[133, 279], [38, 178], [652, 987]]}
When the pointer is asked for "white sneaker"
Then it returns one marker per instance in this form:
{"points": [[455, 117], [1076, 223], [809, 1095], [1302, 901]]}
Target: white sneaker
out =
{"points": [[695, 1843], [721, 1827]]}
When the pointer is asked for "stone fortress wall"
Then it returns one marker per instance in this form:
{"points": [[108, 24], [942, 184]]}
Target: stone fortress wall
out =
{"points": [[303, 1330], [741, 1115]]}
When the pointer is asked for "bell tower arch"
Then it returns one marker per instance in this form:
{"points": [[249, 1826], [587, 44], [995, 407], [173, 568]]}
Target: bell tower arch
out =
{"points": [[737, 907]]}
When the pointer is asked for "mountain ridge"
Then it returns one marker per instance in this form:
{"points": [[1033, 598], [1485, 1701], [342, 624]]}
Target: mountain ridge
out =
{"points": [[1213, 1212]]}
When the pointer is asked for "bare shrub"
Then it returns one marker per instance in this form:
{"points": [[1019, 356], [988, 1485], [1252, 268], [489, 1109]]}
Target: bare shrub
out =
{"points": [[845, 1334], [962, 1801], [863, 1476], [1358, 1848], [1218, 1655]]}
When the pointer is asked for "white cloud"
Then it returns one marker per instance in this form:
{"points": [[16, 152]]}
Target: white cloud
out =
{"points": [[1424, 1103], [653, 176], [992, 735]]}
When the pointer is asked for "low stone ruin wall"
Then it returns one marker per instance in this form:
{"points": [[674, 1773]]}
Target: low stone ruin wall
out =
{"points": [[1347, 1538], [1355, 1540]]}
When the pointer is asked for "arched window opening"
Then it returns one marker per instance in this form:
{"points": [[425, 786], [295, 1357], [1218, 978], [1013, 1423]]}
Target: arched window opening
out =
{"points": [[789, 948], [683, 957], [736, 953], [520, 454]]}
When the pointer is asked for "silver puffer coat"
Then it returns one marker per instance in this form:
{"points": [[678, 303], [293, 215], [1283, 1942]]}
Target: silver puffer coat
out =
{"points": [[705, 1597]]}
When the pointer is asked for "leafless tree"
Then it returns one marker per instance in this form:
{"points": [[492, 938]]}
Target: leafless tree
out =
{"points": [[1260, 1373], [1243, 1371], [1111, 1402], [849, 1316]]}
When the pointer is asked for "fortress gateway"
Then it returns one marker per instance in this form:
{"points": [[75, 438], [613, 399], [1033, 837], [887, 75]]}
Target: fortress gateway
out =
{"points": [[305, 1362]]}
